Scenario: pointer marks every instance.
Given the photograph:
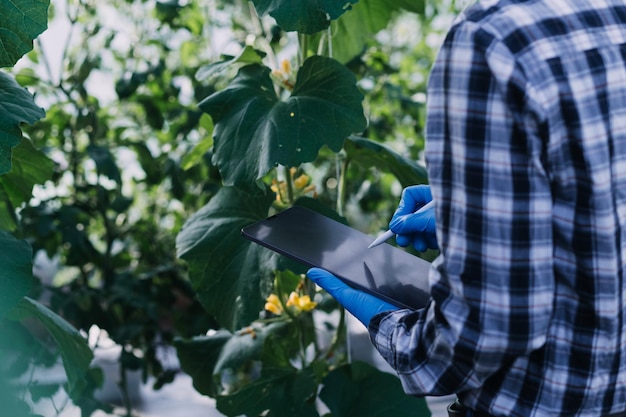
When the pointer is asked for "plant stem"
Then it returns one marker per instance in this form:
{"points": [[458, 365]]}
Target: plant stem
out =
{"points": [[303, 41], [341, 187], [123, 384], [301, 342], [330, 41], [107, 267], [340, 335], [289, 182], [281, 299]]}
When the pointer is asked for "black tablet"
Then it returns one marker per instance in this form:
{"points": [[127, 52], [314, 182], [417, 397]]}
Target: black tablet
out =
{"points": [[312, 239]]}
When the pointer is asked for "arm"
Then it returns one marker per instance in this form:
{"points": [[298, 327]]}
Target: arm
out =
{"points": [[492, 285]]}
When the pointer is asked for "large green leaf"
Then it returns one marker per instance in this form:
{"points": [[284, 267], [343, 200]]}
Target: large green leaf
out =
{"points": [[231, 276], [304, 16], [205, 357], [75, 351], [352, 31], [16, 106], [245, 345], [16, 268], [198, 357], [21, 21], [283, 392], [415, 6], [281, 389], [359, 389], [30, 167], [255, 131], [370, 153]]}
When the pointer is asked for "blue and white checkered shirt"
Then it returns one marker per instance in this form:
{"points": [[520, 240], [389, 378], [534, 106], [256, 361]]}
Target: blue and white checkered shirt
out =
{"points": [[526, 152]]}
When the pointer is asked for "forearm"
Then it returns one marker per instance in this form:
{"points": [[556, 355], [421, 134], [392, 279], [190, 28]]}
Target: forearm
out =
{"points": [[460, 340]]}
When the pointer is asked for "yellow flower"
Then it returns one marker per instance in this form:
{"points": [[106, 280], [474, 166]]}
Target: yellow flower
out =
{"points": [[280, 188], [285, 66], [302, 303], [272, 304], [301, 181], [283, 74]]}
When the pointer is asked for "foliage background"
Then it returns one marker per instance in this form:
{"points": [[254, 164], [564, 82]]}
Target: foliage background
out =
{"points": [[129, 191]]}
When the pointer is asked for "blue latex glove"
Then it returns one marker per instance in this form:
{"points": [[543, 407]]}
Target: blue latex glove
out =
{"points": [[413, 228], [362, 305]]}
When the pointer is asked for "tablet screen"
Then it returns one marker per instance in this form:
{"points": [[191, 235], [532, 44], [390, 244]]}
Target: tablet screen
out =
{"points": [[312, 239]]}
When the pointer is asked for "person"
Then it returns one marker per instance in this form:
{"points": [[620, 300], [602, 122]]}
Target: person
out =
{"points": [[526, 156]]}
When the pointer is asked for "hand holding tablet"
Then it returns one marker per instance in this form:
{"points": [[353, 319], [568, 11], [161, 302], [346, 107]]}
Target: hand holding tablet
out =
{"points": [[362, 305], [387, 272]]}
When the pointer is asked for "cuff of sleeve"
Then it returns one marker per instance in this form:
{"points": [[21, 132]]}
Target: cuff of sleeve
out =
{"points": [[381, 329]]}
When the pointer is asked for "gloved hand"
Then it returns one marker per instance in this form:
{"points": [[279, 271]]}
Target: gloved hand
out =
{"points": [[415, 228], [362, 305]]}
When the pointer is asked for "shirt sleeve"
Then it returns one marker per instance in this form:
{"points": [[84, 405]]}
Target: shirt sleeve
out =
{"points": [[492, 285]]}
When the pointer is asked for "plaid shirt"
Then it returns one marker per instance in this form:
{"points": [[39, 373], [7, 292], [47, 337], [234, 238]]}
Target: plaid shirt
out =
{"points": [[526, 152]]}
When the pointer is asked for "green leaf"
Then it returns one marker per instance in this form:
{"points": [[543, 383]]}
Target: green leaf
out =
{"points": [[152, 166], [39, 391], [198, 357], [16, 106], [354, 29], [105, 163], [415, 6], [283, 344], [204, 358], [231, 276], [370, 153], [73, 347], [30, 167], [304, 16], [248, 55], [197, 153], [359, 389], [288, 281], [26, 349], [16, 265], [245, 346], [77, 239], [255, 131], [285, 392], [22, 21], [27, 77], [87, 402]]}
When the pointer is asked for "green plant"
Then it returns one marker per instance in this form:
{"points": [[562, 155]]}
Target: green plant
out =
{"points": [[21, 167], [148, 127], [303, 119], [108, 234]]}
